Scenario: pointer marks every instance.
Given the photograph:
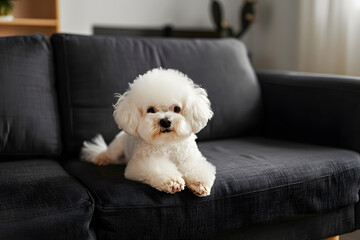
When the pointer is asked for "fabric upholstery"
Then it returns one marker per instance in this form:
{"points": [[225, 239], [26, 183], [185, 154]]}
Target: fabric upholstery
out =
{"points": [[258, 180], [39, 200], [29, 122], [312, 108], [304, 227], [265, 189], [87, 84]]}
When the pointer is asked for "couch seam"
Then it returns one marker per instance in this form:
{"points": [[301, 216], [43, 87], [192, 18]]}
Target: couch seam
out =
{"points": [[67, 79]]}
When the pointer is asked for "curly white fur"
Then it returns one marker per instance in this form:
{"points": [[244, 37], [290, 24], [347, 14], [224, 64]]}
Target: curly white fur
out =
{"points": [[159, 115]]}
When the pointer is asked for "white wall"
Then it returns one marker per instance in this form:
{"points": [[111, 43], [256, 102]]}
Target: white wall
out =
{"points": [[79, 16], [273, 38]]}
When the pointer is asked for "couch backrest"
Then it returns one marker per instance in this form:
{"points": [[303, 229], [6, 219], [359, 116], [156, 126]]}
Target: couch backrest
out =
{"points": [[90, 69], [29, 121]]}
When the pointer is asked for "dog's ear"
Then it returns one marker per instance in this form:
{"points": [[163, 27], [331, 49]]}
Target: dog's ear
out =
{"points": [[197, 109], [126, 114]]}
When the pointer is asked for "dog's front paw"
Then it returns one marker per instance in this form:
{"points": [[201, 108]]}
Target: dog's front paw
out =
{"points": [[172, 185], [199, 189]]}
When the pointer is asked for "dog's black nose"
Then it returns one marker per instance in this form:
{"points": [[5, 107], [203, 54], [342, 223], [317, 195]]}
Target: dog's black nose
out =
{"points": [[165, 123]]}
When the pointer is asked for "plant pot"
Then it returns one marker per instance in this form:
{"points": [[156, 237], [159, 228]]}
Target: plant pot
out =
{"points": [[7, 18], [6, 8]]}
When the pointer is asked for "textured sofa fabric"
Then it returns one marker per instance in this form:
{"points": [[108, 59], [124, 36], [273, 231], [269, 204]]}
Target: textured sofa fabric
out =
{"points": [[258, 180], [310, 226], [87, 85], [29, 123], [40, 200], [319, 109], [299, 180], [265, 188]]}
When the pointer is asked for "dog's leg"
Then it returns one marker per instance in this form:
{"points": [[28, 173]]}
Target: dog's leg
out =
{"points": [[161, 174], [198, 173], [114, 154]]}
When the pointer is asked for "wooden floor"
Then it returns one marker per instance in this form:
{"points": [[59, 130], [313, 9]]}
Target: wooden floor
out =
{"points": [[351, 236]]}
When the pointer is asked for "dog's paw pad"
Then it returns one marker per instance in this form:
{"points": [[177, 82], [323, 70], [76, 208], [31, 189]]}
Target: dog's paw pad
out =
{"points": [[199, 189], [175, 185]]}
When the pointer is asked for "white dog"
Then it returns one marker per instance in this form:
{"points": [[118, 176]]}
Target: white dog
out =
{"points": [[159, 115]]}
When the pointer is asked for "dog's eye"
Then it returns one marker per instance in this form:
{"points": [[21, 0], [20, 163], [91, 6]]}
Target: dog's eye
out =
{"points": [[177, 109], [151, 110]]}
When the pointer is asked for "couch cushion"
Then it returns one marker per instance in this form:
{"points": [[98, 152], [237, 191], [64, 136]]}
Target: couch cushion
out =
{"points": [[258, 180], [92, 68], [39, 200], [29, 124]]}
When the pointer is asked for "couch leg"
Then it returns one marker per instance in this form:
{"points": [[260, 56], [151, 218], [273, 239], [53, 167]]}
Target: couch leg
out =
{"points": [[332, 238]]}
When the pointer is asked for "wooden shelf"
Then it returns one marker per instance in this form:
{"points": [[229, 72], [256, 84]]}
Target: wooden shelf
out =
{"points": [[30, 22], [32, 16]]}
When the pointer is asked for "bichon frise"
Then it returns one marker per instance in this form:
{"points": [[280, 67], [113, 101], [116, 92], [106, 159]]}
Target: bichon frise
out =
{"points": [[159, 115]]}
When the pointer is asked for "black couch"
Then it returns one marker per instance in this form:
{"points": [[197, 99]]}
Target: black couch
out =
{"points": [[286, 145]]}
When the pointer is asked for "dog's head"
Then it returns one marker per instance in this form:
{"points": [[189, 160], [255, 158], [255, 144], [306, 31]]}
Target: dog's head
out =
{"points": [[162, 106]]}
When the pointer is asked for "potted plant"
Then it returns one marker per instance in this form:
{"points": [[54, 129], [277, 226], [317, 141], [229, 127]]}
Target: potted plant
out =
{"points": [[6, 7]]}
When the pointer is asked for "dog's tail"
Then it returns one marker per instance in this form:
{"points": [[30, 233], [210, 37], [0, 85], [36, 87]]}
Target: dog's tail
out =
{"points": [[92, 148]]}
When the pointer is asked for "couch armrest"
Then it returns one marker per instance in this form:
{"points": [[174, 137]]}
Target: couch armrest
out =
{"points": [[314, 108]]}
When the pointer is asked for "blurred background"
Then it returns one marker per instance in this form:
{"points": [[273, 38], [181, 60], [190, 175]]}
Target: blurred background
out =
{"points": [[307, 35]]}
